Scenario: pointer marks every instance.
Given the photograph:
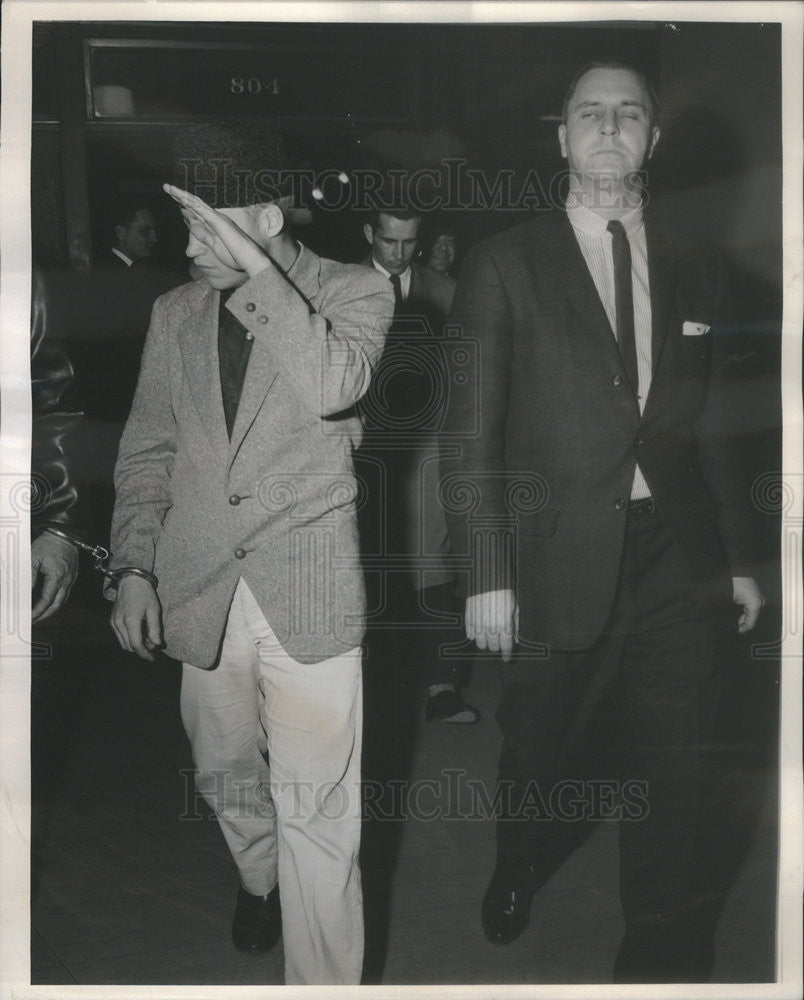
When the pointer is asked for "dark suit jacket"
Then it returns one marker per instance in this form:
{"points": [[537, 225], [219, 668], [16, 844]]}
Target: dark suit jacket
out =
{"points": [[403, 413], [543, 432]]}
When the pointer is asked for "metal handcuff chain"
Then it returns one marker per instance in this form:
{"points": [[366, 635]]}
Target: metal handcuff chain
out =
{"points": [[100, 558]]}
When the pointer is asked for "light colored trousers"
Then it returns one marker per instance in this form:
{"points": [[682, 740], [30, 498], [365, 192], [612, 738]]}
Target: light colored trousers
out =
{"points": [[296, 822]]}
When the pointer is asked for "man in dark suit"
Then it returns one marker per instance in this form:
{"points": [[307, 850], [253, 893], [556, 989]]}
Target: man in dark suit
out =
{"points": [[402, 411], [608, 532], [135, 235], [110, 308]]}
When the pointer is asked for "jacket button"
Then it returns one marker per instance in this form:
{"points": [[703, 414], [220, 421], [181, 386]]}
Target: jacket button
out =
{"points": [[234, 499], [250, 307], [249, 335], [617, 380], [619, 504], [240, 553], [639, 442], [262, 319]]}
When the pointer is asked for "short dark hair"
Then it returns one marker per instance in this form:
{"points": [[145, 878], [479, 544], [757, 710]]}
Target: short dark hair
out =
{"points": [[653, 100], [404, 212], [123, 210]]}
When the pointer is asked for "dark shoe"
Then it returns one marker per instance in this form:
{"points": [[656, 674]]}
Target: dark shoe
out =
{"points": [[257, 924], [505, 912], [448, 706]]}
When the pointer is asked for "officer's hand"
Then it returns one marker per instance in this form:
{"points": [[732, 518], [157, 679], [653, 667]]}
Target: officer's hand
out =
{"points": [[492, 621], [748, 595], [219, 231], [54, 567], [136, 617]]}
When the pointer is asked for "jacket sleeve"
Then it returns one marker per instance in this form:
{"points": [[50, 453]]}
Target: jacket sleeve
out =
{"points": [[145, 458], [57, 419], [472, 444], [328, 352], [719, 434]]}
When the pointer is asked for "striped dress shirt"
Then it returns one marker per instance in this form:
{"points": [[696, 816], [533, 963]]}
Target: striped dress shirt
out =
{"points": [[595, 242]]}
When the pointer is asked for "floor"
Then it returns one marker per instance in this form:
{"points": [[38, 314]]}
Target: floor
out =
{"points": [[132, 883]]}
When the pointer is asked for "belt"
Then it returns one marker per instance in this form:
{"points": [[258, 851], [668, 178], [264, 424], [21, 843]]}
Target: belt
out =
{"points": [[645, 506]]}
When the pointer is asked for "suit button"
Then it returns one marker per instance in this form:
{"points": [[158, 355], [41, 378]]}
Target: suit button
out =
{"points": [[619, 504], [617, 380], [240, 553], [250, 307], [262, 319], [639, 442], [234, 499], [249, 335]]}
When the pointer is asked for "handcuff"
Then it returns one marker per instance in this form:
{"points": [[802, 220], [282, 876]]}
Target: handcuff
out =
{"points": [[100, 557]]}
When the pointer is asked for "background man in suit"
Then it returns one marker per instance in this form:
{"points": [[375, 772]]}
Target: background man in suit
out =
{"points": [[135, 235], [109, 308], [235, 540], [403, 410], [609, 531]]}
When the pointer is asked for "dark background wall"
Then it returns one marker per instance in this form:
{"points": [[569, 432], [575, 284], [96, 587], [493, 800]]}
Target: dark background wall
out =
{"points": [[352, 96]]}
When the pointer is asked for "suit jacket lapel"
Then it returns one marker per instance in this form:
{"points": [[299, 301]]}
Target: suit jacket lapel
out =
{"points": [[260, 375], [417, 289], [567, 267], [198, 342], [262, 367], [662, 276]]}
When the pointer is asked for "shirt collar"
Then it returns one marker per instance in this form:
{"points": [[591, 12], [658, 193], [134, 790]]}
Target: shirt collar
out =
{"points": [[126, 260], [590, 222], [403, 277]]}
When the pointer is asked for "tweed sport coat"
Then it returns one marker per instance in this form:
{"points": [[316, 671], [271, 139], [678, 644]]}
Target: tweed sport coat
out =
{"points": [[543, 430], [276, 503]]}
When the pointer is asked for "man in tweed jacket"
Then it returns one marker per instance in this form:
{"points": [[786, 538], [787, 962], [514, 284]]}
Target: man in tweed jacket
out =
{"points": [[235, 540]]}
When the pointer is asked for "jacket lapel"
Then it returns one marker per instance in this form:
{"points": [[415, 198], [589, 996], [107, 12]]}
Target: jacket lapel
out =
{"points": [[567, 267], [198, 343], [662, 277], [417, 286], [260, 376], [263, 369]]}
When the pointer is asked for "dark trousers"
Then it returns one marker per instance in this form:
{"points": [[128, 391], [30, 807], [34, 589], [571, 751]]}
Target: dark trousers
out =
{"points": [[623, 730], [442, 648]]}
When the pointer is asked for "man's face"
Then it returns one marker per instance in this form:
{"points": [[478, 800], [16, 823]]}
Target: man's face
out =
{"points": [[138, 239], [393, 242], [608, 131], [442, 256], [209, 257]]}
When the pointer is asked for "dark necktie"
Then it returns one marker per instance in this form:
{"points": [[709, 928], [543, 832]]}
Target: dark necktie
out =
{"points": [[396, 281], [624, 302]]}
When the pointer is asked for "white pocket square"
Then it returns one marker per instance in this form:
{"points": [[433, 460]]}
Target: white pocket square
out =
{"points": [[694, 329]]}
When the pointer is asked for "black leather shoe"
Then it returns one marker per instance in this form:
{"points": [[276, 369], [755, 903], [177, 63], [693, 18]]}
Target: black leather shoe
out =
{"points": [[257, 924], [505, 912], [448, 706]]}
